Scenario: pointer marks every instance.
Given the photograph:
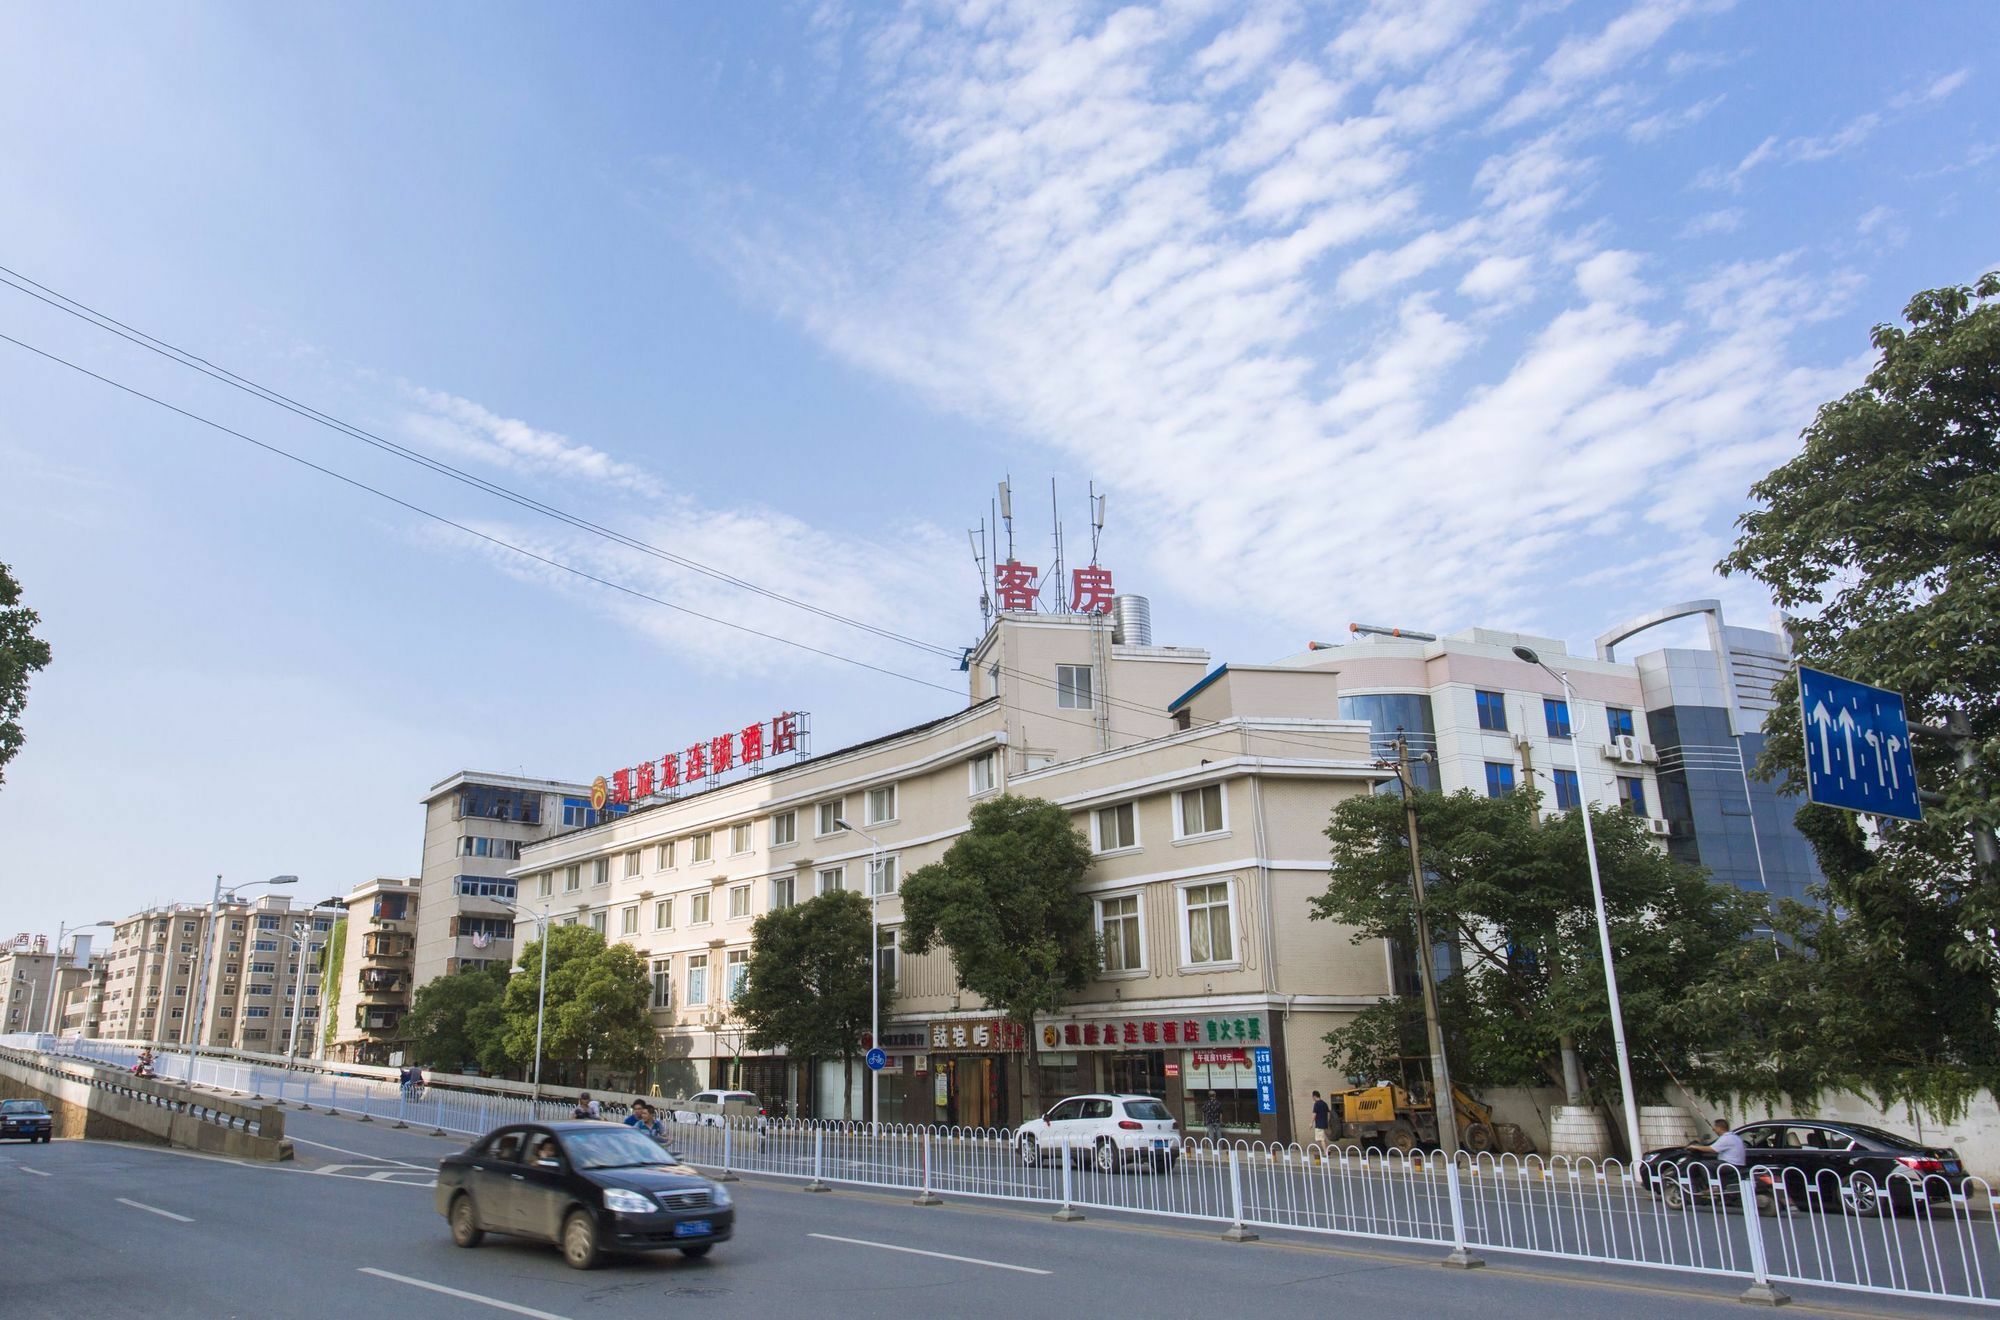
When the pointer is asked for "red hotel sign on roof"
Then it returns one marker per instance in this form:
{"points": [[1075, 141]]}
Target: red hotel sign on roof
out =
{"points": [[701, 762]]}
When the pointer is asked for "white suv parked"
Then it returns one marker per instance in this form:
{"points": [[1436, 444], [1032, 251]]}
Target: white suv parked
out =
{"points": [[713, 1108], [1111, 1131]]}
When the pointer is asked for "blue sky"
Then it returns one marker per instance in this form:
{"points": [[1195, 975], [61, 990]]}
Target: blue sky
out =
{"points": [[1429, 314]]}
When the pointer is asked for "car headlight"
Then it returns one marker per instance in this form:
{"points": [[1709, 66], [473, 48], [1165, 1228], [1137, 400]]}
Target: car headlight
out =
{"points": [[718, 1194], [628, 1202]]}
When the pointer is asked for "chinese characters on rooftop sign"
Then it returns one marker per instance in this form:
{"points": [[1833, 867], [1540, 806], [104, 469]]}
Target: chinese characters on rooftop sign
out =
{"points": [[1017, 586], [702, 763]]}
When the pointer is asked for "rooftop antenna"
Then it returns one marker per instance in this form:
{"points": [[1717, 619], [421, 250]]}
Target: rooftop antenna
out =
{"points": [[1007, 516], [978, 539], [1056, 573], [1096, 522]]}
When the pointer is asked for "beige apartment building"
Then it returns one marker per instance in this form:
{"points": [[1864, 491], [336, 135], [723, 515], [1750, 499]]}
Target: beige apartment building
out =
{"points": [[152, 985], [372, 972], [1205, 815]]}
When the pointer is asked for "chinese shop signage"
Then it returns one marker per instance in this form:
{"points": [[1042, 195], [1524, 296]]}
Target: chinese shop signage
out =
{"points": [[704, 760], [991, 1034], [1017, 586], [1155, 1033]]}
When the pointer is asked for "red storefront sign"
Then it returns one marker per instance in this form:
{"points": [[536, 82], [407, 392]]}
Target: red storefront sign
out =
{"points": [[704, 759], [1017, 586]]}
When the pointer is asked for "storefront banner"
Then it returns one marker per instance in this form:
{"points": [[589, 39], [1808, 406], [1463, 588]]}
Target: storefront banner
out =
{"points": [[990, 1034], [1267, 1090], [1219, 1058], [1154, 1033]]}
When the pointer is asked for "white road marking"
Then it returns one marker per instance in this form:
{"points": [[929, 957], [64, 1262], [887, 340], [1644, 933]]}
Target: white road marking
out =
{"points": [[37, 1172], [939, 1255], [379, 1159], [493, 1302], [154, 1210]]}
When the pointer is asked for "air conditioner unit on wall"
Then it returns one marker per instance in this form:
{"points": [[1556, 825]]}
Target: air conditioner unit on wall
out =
{"points": [[1628, 749], [1649, 754], [1654, 825]]}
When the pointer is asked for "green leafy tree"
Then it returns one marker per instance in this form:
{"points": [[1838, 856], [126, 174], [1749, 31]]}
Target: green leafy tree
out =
{"points": [[455, 1020], [807, 989], [329, 982], [1004, 903], [599, 1012], [1513, 895], [21, 654]]}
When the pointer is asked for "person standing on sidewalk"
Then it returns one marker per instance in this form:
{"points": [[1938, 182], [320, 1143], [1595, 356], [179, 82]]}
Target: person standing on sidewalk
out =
{"points": [[1211, 1115], [1322, 1118]]}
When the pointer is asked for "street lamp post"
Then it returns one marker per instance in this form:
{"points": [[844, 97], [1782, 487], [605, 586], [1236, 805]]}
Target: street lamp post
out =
{"points": [[301, 938], [207, 946], [874, 966], [63, 931], [1597, 897], [541, 994]]}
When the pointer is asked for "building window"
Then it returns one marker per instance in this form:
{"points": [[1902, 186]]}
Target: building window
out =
{"points": [[259, 1012], [663, 914], [467, 886], [739, 902], [1118, 928], [663, 859], [1208, 923], [697, 909], [784, 828], [545, 884], [628, 921], [698, 847], [1619, 721], [631, 863], [1633, 791], [697, 978], [597, 922], [832, 879], [1073, 687], [1492, 710], [885, 955], [735, 974], [1556, 714], [663, 983], [882, 875], [982, 772], [1201, 811], [783, 888], [267, 923], [1117, 827], [600, 871], [571, 880], [1566, 794], [827, 817], [1499, 778], [881, 804], [739, 838]]}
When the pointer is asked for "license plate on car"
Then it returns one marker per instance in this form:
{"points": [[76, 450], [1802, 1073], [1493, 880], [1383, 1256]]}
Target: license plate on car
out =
{"points": [[1951, 1166], [1160, 1144], [693, 1228]]}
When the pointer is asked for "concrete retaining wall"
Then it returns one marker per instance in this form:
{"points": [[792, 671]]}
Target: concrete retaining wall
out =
{"points": [[108, 1104]]}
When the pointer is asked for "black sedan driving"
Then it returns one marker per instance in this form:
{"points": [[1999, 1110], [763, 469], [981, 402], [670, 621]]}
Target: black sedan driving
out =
{"points": [[1816, 1162], [588, 1187], [26, 1120]]}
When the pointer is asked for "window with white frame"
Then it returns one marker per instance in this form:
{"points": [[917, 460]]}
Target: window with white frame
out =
{"points": [[628, 921], [597, 922], [572, 881], [982, 773], [663, 914], [631, 863], [784, 828], [735, 974], [663, 856], [739, 838], [1073, 687], [881, 804], [882, 875], [1118, 928], [1117, 827], [697, 909], [885, 954], [1201, 811], [826, 817], [663, 983], [783, 892], [831, 879], [739, 901], [600, 871], [545, 884], [697, 978], [698, 847], [1207, 911]]}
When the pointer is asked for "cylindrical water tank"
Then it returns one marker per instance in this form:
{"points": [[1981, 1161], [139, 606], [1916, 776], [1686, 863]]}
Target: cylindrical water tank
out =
{"points": [[1132, 620]]}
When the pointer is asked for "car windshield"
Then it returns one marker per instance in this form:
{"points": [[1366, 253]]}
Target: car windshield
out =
{"points": [[614, 1148], [21, 1107], [1151, 1111]]}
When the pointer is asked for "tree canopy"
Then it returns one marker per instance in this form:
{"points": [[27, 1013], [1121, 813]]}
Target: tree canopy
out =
{"points": [[21, 654], [1513, 895], [454, 1021], [807, 991], [1004, 903], [599, 1014]]}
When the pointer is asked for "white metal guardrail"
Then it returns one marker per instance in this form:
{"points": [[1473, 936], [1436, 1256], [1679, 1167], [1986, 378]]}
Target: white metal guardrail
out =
{"points": [[1921, 1236]]}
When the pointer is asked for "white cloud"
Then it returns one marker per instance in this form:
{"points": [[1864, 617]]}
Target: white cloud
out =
{"points": [[1243, 51], [1826, 146], [1582, 60], [1654, 127], [461, 428], [1726, 221], [1496, 278]]}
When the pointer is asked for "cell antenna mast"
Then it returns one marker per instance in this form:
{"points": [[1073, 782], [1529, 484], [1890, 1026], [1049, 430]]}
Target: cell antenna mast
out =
{"points": [[1007, 516], [1056, 573], [978, 539], [1096, 522]]}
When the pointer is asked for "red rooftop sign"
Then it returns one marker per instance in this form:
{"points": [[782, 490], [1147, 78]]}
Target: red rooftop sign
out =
{"points": [[1016, 586], [700, 763]]}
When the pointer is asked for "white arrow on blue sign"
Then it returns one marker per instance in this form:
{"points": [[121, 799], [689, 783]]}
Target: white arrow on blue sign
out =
{"points": [[1857, 747]]}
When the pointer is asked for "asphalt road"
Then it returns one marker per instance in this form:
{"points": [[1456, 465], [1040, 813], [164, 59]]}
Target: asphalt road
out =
{"points": [[90, 1229]]}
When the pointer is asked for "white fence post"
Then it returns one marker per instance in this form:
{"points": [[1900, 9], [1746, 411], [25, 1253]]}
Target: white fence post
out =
{"points": [[1236, 1232], [439, 1131], [728, 1131], [927, 1196], [402, 1109], [333, 1100], [818, 1184], [1067, 1213], [1760, 1290], [1459, 1258]]}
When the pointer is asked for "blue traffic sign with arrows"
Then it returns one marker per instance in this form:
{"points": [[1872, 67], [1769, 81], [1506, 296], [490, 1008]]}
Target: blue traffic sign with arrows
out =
{"points": [[1857, 747]]}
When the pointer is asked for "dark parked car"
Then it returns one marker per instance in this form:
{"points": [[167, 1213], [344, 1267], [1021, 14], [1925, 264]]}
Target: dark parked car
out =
{"points": [[588, 1187], [1815, 1162], [26, 1120]]}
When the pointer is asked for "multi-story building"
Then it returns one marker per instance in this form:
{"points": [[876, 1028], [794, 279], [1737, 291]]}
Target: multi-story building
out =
{"points": [[375, 966], [1203, 795], [474, 828], [27, 982], [254, 982], [83, 1002]]}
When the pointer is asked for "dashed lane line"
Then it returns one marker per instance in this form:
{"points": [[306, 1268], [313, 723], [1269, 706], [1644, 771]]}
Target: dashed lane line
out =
{"points": [[936, 1255], [37, 1172], [155, 1210], [494, 1302]]}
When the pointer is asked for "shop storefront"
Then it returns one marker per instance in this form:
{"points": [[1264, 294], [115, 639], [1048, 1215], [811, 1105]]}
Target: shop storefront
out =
{"points": [[973, 1072], [1180, 1060]]}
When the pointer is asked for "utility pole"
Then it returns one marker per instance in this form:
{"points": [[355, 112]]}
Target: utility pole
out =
{"points": [[1443, 1100], [1957, 730]]}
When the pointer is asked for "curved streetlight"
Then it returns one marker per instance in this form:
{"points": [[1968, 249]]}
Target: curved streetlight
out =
{"points": [[874, 964], [1603, 923], [208, 945], [542, 993], [63, 931]]}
